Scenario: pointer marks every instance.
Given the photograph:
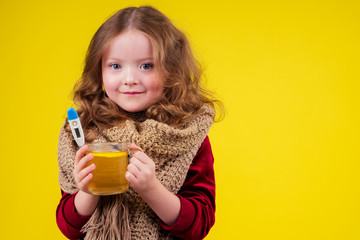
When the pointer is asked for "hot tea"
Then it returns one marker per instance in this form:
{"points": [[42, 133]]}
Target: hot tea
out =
{"points": [[111, 160]]}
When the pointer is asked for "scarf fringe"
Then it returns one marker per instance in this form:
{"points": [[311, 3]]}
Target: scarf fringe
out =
{"points": [[110, 219]]}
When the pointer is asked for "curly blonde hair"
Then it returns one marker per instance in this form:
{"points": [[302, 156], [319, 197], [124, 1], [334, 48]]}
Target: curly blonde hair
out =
{"points": [[183, 95]]}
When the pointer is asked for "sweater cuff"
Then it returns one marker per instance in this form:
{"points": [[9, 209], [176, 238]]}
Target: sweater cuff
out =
{"points": [[72, 216], [185, 219]]}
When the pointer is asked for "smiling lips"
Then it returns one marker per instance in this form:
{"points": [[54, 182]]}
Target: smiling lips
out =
{"points": [[132, 93]]}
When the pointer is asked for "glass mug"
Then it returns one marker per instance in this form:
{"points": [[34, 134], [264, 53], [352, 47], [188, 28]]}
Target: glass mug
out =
{"points": [[111, 161]]}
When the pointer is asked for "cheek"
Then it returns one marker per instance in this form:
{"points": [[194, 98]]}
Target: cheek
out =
{"points": [[108, 84], [156, 90], [156, 86]]}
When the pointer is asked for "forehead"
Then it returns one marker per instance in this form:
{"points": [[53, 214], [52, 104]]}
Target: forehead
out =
{"points": [[129, 45]]}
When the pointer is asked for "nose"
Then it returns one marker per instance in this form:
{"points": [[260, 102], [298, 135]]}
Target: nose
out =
{"points": [[130, 77]]}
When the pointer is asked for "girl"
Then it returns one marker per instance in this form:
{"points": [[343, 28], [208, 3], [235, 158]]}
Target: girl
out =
{"points": [[141, 84]]}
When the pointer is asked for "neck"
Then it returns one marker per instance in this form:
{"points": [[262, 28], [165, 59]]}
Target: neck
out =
{"points": [[137, 116]]}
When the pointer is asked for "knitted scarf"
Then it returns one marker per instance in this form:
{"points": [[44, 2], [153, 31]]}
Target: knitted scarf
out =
{"points": [[127, 216]]}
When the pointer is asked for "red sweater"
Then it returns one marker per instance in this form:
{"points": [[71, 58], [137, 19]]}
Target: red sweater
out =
{"points": [[197, 197]]}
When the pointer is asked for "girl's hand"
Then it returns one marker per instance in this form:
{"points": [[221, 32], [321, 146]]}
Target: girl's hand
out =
{"points": [[141, 171], [82, 174], [141, 175]]}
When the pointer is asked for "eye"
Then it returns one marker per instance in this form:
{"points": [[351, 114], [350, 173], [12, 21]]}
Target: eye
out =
{"points": [[147, 66], [115, 66]]}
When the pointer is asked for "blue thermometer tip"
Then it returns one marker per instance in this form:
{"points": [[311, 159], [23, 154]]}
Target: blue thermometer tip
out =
{"points": [[72, 114]]}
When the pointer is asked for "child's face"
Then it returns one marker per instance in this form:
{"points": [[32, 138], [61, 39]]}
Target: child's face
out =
{"points": [[129, 75]]}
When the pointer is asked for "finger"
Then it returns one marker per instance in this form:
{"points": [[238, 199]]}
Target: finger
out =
{"points": [[85, 182], [84, 173], [136, 162], [133, 169], [130, 177], [141, 156], [80, 153], [135, 148], [83, 162], [140, 164]]}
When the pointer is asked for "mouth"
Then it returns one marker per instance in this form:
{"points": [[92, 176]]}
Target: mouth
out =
{"points": [[132, 93]]}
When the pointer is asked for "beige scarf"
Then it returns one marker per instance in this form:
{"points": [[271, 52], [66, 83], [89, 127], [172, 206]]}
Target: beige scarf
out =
{"points": [[127, 216]]}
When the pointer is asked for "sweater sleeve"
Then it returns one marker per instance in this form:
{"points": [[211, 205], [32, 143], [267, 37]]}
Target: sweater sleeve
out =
{"points": [[197, 197], [68, 220]]}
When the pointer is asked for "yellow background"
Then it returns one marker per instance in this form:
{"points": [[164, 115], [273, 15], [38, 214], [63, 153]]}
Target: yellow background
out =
{"points": [[287, 152]]}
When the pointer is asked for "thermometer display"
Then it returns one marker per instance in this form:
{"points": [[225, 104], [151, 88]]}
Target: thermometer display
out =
{"points": [[75, 125]]}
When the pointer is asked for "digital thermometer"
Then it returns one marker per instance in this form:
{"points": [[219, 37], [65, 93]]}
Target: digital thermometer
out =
{"points": [[75, 125]]}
